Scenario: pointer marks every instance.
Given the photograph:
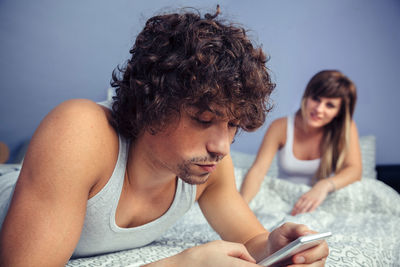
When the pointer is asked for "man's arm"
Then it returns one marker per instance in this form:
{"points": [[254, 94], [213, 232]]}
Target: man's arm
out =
{"points": [[232, 219], [62, 164], [228, 213], [217, 253]]}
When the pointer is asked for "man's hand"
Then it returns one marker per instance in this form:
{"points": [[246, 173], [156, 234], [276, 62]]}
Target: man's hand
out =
{"points": [[280, 237]]}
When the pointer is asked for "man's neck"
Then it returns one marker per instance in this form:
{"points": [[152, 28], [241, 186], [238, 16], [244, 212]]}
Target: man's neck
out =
{"points": [[144, 173]]}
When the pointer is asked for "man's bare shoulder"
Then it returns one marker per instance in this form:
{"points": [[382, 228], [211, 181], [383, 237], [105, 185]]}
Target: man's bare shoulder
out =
{"points": [[71, 154], [77, 109], [72, 139], [81, 116]]}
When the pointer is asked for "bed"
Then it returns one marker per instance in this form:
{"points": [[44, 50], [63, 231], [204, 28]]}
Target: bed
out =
{"points": [[363, 217]]}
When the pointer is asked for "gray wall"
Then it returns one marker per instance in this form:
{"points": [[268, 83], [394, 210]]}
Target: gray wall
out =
{"points": [[51, 51]]}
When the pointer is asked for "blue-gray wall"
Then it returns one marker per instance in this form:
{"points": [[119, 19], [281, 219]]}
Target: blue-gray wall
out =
{"points": [[51, 51]]}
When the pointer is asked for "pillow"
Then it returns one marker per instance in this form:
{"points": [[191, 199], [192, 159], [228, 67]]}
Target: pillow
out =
{"points": [[368, 151], [244, 161], [367, 147]]}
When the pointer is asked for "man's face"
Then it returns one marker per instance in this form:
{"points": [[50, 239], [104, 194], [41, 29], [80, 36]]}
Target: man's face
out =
{"points": [[192, 146]]}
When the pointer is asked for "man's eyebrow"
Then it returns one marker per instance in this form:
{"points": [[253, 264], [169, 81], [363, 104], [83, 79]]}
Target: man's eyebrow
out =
{"points": [[217, 112], [198, 111]]}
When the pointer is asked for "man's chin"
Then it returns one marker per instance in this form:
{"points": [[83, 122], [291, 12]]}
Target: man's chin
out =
{"points": [[196, 179]]}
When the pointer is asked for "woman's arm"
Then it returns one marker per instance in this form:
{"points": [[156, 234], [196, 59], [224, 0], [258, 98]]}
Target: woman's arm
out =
{"points": [[352, 166], [274, 138], [62, 164], [350, 173]]}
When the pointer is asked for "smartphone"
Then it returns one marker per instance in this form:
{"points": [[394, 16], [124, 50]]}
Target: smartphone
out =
{"points": [[294, 247]]}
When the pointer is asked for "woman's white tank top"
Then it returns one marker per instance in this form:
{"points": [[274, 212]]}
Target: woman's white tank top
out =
{"points": [[291, 168]]}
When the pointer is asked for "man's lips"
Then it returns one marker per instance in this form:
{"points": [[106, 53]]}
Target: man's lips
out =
{"points": [[207, 167]]}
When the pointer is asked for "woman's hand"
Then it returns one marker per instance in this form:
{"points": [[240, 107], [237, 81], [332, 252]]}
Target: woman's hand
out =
{"points": [[313, 198], [217, 253]]}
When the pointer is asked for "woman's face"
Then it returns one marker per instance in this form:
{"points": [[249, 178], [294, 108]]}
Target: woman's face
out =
{"points": [[320, 111]]}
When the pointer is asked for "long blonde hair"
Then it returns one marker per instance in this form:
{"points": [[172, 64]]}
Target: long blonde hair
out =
{"points": [[335, 140]]}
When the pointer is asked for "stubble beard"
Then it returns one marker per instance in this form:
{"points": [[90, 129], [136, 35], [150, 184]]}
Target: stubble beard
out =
{"points": [[186, 175]]}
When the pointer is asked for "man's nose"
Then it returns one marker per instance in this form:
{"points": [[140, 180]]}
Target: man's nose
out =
{"points": [[219, 142]]}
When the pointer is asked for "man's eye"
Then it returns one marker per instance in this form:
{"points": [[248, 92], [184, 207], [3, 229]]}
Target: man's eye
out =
{"points": [[204, 122], [233, 124]]}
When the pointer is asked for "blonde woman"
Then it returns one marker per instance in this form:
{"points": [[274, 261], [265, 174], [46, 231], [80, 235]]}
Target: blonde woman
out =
{"points": [[317, 146]]}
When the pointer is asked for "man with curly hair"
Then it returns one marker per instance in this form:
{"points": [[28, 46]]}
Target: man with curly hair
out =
{"points": [[99, 178]]}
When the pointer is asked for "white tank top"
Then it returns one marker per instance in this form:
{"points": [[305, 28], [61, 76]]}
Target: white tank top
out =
{"points": [[101, 234], [291, 168]]}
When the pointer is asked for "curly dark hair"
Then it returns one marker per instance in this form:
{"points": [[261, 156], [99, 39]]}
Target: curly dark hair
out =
{"points": [[181, 60]]}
